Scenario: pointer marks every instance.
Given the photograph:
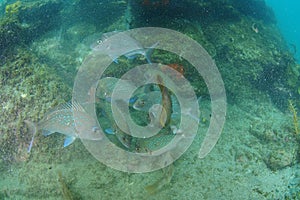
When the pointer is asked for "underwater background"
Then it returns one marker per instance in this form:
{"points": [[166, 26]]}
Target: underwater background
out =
{"points": [[286, 13], [43, 44]]}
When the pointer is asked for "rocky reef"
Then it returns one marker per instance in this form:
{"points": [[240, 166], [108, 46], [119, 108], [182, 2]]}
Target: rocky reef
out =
{"points": [[24, 22], [43, 43]]}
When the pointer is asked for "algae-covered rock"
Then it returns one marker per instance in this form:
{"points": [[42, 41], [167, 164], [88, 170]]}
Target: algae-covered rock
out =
{"points": [[278, 142], [13, 9], [280, 158], [23, 22], [28, 89], [80, 31], [11, 33], [40, 16]]}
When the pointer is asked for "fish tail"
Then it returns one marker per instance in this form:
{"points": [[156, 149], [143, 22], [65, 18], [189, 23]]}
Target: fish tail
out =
{"points": [[32, 130]]}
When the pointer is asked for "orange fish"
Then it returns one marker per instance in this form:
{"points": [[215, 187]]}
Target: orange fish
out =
{"points": [[177, 67], [166, 103]]}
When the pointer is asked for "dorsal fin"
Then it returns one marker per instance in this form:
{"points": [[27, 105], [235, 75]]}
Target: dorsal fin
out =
{"points": [[66, 106], [76, 106], [63, 106]]}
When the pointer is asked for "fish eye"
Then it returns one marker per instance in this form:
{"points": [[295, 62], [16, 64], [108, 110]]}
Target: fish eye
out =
{"points": [[99, 41]]}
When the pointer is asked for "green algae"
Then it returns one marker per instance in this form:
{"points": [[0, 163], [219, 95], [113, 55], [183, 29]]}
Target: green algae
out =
{"points": [[24, 88], [13, 9], [19, 26]]}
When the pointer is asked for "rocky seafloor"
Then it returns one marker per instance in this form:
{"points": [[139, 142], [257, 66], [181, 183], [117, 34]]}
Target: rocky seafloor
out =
{"points": [[43, 44]]}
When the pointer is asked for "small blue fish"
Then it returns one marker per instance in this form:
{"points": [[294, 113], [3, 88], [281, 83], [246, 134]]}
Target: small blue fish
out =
{"points": [[61, 120], [109, 131]]}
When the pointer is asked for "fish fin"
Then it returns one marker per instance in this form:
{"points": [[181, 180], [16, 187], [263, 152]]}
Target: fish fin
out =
{"points": [[133, 100], [75, 105], [46, 132], [109, 131], [148, 55], [63, 106], [149, 51], [116, 60], [69, 140], [32, 129], [70, 105]]}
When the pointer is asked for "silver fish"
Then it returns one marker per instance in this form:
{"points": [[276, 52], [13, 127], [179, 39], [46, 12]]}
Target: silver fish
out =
{"points": [[115, 46], [106, 87], [61, 120]]}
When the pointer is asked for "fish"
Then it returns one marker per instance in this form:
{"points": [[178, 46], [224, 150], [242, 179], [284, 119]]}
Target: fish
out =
{"points": [[145, 101], [61, 120], [32, 130], [166, 102], [103, 92], [105, 88], [114, 47], [179, 68]]}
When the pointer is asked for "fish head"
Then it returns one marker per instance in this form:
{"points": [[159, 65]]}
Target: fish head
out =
{"points": [[115, 44], [87, 126]]}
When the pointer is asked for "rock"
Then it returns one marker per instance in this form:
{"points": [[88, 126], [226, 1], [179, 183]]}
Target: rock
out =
{"points": [[281, 158]]}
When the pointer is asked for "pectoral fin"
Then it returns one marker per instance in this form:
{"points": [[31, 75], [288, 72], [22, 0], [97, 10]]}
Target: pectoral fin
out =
{"points": [[109, 131], [32, 130], [69, 140], [149, 51], [116, 60]]}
